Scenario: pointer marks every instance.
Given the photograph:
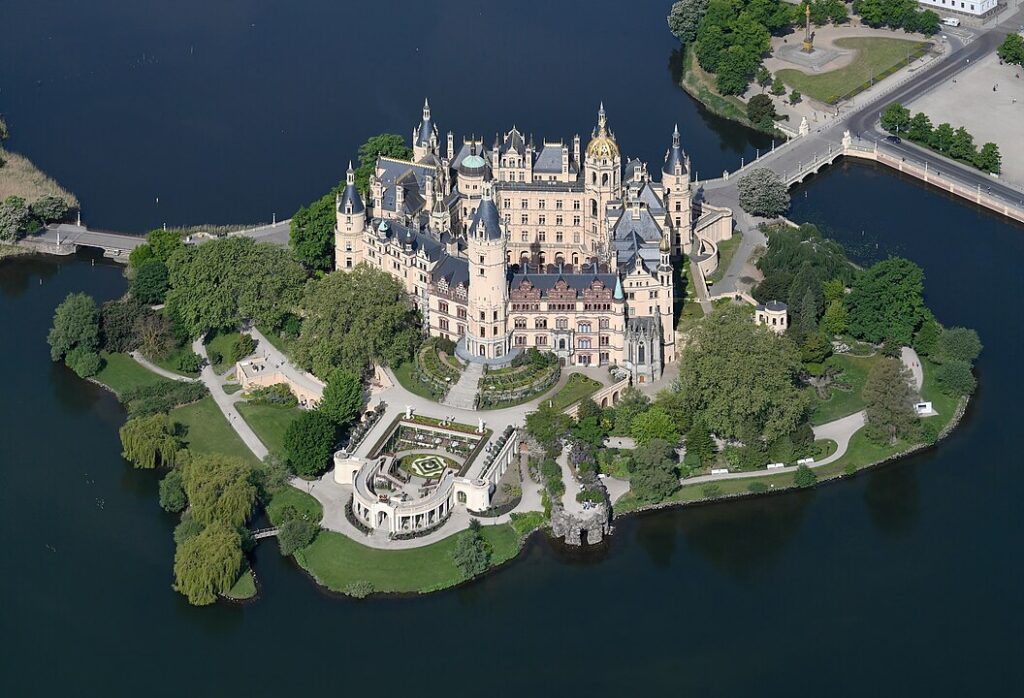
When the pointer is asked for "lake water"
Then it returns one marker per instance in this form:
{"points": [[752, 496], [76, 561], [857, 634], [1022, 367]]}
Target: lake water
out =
{"points": [[902, 581]]}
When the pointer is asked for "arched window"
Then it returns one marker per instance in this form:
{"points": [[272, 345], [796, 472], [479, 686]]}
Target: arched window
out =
{"points": [[561, 344], [604, 179], [583, 328], [593, 208], [575, 259], [641, 354]]}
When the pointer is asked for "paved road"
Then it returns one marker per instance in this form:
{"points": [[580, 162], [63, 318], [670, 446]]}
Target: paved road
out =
{"points": [[171, 375], [68, 233]]}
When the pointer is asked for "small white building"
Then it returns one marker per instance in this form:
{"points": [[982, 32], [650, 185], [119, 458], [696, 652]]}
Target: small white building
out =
{"points": [[974, 8], [774, 315]]}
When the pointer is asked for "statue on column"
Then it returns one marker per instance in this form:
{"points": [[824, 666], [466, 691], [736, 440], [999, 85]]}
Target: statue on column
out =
{"points": [[808, 36]]}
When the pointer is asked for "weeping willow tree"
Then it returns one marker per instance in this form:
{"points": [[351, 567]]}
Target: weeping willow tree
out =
{"points": [[207, 564], [219, 489], [149, 442]]}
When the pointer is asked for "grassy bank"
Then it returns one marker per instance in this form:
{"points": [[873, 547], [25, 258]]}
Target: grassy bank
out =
{"points": [[19, 177], [877, 58], [305, 505], [244, 588], [701, 86], [207, 431], [121, 372], [844, 399], [577, 387], [12, 251], [726, 251], [338, 562]]}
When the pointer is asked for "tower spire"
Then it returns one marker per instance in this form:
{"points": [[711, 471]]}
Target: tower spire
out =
{"points": [[426, 109]]}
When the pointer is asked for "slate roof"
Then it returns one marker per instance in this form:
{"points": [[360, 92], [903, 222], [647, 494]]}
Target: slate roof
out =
{"points": [[577, 282], [636, 236], [675, 155], [549, 161], [454, 270], [486, 221], [432, 247], [410, 176]]}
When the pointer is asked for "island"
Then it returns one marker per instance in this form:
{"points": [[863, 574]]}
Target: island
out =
{"points": [[464, 343]]}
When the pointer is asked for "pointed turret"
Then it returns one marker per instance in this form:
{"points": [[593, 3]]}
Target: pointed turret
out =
{"points": [[675, 158], [350, 201]]}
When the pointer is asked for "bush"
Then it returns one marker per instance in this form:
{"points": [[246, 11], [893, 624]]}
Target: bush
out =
{"points": [[242, 347], [359, 590], [172, 492], [711, 490], [955, 378], [277, 395], [49, 209], [804, 477], [163, 396], [83, 362], [296, 534]]}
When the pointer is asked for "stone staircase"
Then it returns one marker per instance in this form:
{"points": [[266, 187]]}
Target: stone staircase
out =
{"points": [[462, 395]]}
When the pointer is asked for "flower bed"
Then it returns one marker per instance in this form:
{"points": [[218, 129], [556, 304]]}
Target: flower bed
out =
{"points": [[531, 374]]}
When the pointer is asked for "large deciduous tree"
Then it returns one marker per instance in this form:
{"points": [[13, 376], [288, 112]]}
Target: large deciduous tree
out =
{"points": [[15, 218], [762, 193], [741, 378], [149, 442], [472, 554], [343, 397], [889, 402], [653, 474], [312, 233], [684, 19], [150, 282], [206, 565], [887, 301], [1012, 49], [389, 145], [355, 319], [219, 489], [76, 323], [959, 344], [654, 424], [218, 284]]}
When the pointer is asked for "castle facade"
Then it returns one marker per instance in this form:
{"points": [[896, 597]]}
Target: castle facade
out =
{"points": [[516, 245]]}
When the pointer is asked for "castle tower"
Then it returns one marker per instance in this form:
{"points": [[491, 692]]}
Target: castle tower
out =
{"points": [[486, 249], [350, 224], [675, 179], [424, 136], [666, 295], [602, 170]]}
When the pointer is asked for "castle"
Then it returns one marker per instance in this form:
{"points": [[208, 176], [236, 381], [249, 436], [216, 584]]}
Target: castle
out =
{"points": [[513, 246]]}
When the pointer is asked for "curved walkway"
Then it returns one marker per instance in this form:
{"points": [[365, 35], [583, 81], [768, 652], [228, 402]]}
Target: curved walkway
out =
{"points": [[226, 403], [171, 375]]}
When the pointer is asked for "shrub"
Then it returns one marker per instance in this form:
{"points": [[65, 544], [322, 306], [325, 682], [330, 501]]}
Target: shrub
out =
{"points": [[163, 396], [711, 490], [804, 477], [955, 378], [277, 395], [242, 347], [49, 209], [296, 534], [359, 590], [188, 362]]}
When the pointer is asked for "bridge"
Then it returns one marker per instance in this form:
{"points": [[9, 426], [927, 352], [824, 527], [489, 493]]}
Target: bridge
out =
{"points": [[66, 238], [261, 533]]}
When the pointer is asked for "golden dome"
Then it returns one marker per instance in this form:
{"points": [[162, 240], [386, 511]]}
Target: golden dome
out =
{"points": [[602, 145], [665, 245]]}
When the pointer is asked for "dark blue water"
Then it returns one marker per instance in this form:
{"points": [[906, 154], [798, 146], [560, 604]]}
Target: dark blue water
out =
{"points": [[233, 111], [903, 581]]}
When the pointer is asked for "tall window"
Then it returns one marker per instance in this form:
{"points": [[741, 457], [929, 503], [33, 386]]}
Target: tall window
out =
{"points": [[583, 328]]}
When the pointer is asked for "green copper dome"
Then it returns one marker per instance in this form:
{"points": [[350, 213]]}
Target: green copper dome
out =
{"points": [[473, 162]]}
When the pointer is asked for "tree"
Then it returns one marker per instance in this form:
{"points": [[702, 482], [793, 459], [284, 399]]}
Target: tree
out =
{"points": [[207, 565], [49, 209], [734, 71], [1012, 49], [955, 378], [631, 403], [962, 147], [741, 377], [164, 243], [942, 138], [798, 260], [685, 17], [14, 219], [312, 233], [172, 492], [154, 335], [308, 442], [889, 402], [959, 344], [149, 442], [472, 554], [355, 319], [653, 476], [805, 323], [76, 323], [920, 128], [795, 97], [222, 282], [989, 159], [926, 339], [815, 349], [219, 489], [296, 534], [150, 282], [548, 426], [762, 193], [896, 118], [389, 145], [84, 362], [117, 324], [887, 301], [761, 110], [835, 320], [778, 87], [804, 477], [654, 424], [243, 346], [763, 77], [342, 401], [699, 442]]}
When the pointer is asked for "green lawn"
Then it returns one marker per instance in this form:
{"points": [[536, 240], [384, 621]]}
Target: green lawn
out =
{"points": [[269, 423], [305, 504], [843, 402], [209, 432], [577, 387], [244, 588], [121, 372], [404, 375], [876, 57], [726, 251], [336, 561], [169, 363]]}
